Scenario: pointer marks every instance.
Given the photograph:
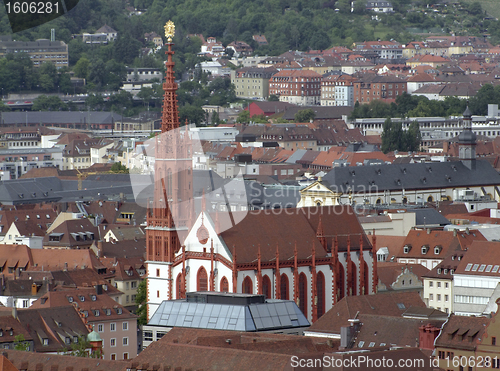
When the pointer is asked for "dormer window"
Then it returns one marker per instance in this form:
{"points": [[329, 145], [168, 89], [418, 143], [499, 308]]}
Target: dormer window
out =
{"points": [[45, 341], [425, 248], [118, 310], [96, 312], [407, 249], [439, 271], [93, 297], [81, 297], [70, 299], [108, 312], [437, 250]]}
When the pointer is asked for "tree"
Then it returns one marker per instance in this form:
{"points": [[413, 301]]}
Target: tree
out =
{"points": [[117, 167], [413, 137], [273, 98], [48, 103], [21, 344], [243, 117], [215, 118], [83, 349], [193, 114], [140, 300], [305, 115], [81, 68]]}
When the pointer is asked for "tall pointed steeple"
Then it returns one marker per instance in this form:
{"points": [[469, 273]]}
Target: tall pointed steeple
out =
{"points": [[467, 141], [170, 112]]}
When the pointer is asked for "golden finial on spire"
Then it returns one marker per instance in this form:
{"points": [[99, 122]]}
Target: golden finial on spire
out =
{"points": [[169, 30]]}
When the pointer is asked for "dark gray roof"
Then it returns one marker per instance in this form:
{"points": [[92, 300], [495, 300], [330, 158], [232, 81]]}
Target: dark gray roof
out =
{"points": [[271, 315], [59, 117], [429, 217], [35, 190], [396, 177]]}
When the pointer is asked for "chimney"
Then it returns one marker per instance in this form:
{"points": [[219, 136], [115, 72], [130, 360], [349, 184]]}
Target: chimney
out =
{"points": [[428, 231], [98, 289], [455, 232], [33, 289], [14, 311]]}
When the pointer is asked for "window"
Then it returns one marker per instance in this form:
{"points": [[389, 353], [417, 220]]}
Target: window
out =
{"points": [[431, 297], [133, 284], [431, 284], [438, 297], [125, 341], [157, 273], [45, 341], [125, 355], [100, 327], [113, 342], [439, 284], [446, 298], [113, 357], [26, 303], [112, 326], [148, 336], [446, 284], [493, 340]]}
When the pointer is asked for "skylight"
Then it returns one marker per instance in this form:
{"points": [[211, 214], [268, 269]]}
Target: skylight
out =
{"points": [[482, 267], [468, 267], [488, 268], [474, 267], [495, 269]]}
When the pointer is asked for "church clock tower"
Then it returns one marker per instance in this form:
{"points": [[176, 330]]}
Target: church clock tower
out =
{"points": [[169, 213], [467, 142]]}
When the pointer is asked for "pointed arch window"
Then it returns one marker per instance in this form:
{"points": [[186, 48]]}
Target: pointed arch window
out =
{"points": [[303, 293], [247, 286], [224, 285], [284, 287], [266, 287], [320, 291], [202, 280]]}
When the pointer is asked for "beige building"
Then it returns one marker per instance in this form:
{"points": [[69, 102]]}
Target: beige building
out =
{"points": [[39, 51], [251, 82]]}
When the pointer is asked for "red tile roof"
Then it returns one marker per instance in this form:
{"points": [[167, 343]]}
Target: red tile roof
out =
{"points": [[389, 303]]}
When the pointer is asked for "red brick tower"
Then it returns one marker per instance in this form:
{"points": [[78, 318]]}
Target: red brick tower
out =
{"points": [[169, 213]]}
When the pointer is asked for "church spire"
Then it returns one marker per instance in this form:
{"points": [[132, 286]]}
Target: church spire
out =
{"points": [[170, 114], [467, 142]]}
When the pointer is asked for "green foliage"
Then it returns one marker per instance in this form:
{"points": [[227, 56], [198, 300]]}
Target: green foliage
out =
{"points": [[140, 301], [21, 344], [193, 114], [117, 167], [395, 138], [305, 115], [273, 98], [243, 117], [48, 103], [83, 349]]}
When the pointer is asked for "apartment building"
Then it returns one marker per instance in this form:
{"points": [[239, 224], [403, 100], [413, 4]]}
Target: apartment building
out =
{"points": [[296, 87], [252, 83], [39, 51]]}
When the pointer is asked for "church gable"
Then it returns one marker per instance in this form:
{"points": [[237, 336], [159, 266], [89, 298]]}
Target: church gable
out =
{"points": [[201, 235]]}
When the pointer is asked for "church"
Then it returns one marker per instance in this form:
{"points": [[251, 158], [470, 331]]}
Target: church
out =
{"points": [[312, 255]]}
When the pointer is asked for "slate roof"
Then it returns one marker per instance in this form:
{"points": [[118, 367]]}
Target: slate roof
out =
{"points": [[389, 303], [58, 117], [396, 177], [37, 190]]}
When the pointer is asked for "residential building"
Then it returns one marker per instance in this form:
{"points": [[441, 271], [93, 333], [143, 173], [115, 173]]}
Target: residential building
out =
{"points": [[127, 273], [213, 47], [475, 281], [372, 87], [78, 153], [459, 340], [215, 68], [337, 90], [383, 49], [110, 33], [296, 87], [267, 108], [434, 61], [71, 234], [260, 39], [417, 81], [390, 303], [438, 283], [240, 49], [379, 6], [400, 277], [143, 74], [251, 82], [17, 162], [116, 326], [39, 51], [53, 330], [10, 329], [154, 38]]}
